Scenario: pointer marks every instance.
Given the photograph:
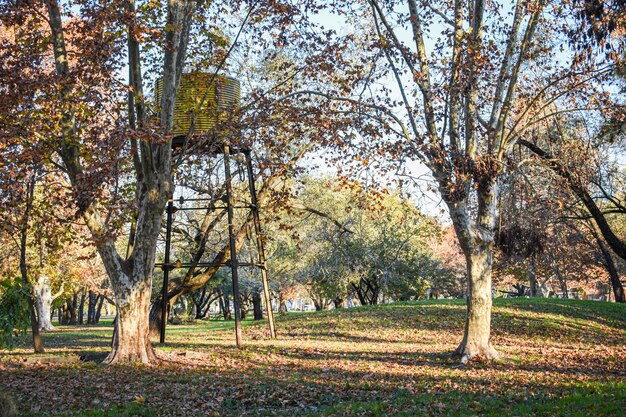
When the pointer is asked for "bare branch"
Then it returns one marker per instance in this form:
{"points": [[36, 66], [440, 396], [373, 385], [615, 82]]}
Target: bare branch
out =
{"points": [[505, 68], [506, 105], [300, 206], [420, 79]]}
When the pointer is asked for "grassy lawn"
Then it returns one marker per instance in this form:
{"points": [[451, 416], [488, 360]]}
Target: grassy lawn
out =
{"points": [[560, 357]]}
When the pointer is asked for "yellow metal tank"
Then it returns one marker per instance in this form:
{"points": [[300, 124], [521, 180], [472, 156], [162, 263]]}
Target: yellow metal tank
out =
{"points": [[223, 94]]}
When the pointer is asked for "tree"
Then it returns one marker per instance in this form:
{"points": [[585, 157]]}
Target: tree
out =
{"points": [[64, 90], [464, 85], [596, 186], [83, 103], [538, 232], [340, 240]]}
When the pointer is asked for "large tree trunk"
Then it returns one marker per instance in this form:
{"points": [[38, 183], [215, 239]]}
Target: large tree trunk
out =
{"points": [[478, 320], [477, 240], [131, 343], [131, 277]]}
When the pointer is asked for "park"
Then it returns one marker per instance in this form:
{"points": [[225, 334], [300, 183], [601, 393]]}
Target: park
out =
{"points": [[312, 208]]}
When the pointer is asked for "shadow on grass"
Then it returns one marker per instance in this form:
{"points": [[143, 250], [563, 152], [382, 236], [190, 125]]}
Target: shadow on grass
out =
{"points": [[607, 314], [315, 382]]}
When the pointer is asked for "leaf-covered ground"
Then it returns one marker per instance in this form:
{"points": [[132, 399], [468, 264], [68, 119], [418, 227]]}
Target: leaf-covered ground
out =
{"points": [[561, 357]]}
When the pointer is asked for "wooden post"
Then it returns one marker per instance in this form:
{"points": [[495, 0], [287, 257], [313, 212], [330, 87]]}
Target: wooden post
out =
{"points": [[166, 267], [233, 247], [260, 245]]}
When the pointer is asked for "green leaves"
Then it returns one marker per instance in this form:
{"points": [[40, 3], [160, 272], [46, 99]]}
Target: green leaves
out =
{"points": [[14, 312]]}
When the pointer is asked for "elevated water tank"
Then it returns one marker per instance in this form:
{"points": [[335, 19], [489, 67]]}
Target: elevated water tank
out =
{"points": [[223, 94]]}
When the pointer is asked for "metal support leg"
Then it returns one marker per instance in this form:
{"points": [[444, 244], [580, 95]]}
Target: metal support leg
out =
{"points": [[233, 247], [166, 269], [260, 245]]}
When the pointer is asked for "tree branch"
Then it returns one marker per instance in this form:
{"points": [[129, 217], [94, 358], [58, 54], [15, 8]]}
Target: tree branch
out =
{"points": [[618, 246]]}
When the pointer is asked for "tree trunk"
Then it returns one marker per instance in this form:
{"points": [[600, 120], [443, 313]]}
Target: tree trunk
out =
{"points": [[367, 291], [478, 320], [155, 315], [244, 304], [131, 276], [256, 304], [359, 293], [320, 303], [91, 307], [72, 309], [34, 323], [338, 302], [200, 313], [532, 280], [64, 317], [477, 240], [282, 304], [225, 306], [43, 302], [81, 307], [205, 309], [609, 264], [99, 309], [199, 303], [131, 342]]}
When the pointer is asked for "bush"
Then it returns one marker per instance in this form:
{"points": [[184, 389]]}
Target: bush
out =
{"points": [[14, 312]]}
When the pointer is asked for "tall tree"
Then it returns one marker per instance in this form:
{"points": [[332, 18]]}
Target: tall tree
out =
{"points": [[82, 99], [63, 88], [130, 278], [461, 84]]}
